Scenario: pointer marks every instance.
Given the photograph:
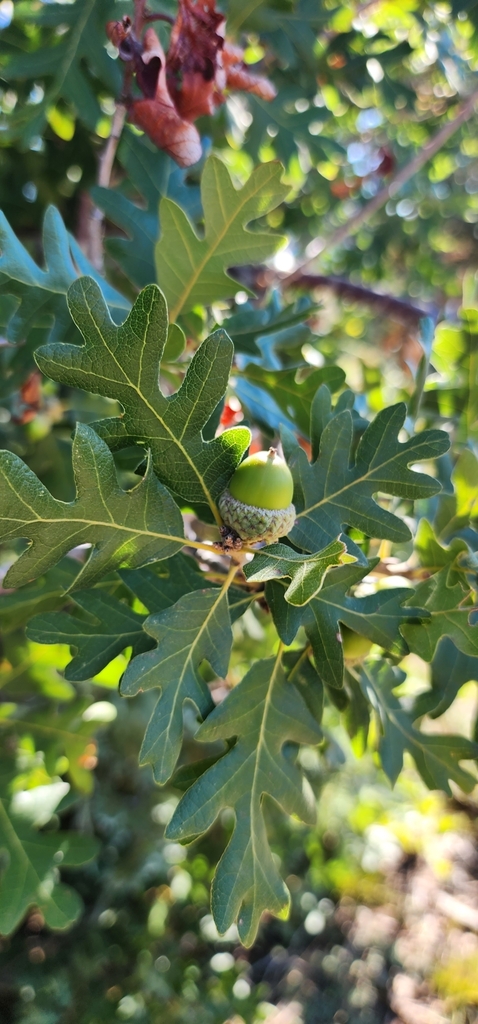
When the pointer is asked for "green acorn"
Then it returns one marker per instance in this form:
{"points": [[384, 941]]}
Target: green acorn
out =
{"points": [[355, 646], [257, 505]]}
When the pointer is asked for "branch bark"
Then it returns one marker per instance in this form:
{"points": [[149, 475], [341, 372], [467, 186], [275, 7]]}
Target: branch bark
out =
{"points": [[96, 217], [387, 305]]}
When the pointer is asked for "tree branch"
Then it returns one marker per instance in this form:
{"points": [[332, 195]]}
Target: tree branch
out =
{"points": [[401, 310], [96, 217], [403, 175]]}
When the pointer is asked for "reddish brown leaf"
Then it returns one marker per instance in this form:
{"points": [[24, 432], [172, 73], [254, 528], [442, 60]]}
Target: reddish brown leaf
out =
{"points": [[195, 71], [156, 113], [189, 83], [238, 77]]}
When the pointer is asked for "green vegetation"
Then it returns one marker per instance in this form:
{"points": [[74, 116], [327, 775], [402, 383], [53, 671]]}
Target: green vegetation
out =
{"points": [[203, 714]]}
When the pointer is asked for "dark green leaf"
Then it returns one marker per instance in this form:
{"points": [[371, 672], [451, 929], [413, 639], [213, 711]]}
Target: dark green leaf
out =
{"points": [[436, 756], [449, 609], [45, 594], [125, 528], [376, 616], [269, 328], [80, 47], [41, 294], [265, 712], [123, 363], [294, 396], [196, 628], [301, 672], [110, 627], [447, 595], [337, 493], [161, 587]]}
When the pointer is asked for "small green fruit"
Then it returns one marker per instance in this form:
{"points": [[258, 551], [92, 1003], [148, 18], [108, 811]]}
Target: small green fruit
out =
{"points": [[264, 480], [257, 505], [355, 647]]}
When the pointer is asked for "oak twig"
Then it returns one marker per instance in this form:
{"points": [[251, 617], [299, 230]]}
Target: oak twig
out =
{"points": [[96, 216], [159, 17]]}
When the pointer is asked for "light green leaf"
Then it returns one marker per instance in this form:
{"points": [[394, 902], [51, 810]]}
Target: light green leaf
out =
{"points": [[123, 363], [192, 270], [451, 669], [59, 731], [265, 712], [307, 572], [465, 480], [196, 628], [150, 174], [125, 528]]}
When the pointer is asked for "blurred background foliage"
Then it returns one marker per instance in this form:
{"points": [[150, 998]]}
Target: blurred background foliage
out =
{"points": [[384, 925]]}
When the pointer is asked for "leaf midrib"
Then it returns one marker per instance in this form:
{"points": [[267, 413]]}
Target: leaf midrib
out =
{"points": [[94, 522], [223, 593], [255, 796]]}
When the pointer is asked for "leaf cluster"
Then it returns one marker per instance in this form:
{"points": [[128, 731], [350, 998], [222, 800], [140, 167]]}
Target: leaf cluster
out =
{"points": [[236, 663]]}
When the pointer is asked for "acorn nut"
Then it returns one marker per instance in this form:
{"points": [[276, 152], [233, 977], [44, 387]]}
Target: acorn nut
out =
{"points": [[355, 646], [257, 505]]}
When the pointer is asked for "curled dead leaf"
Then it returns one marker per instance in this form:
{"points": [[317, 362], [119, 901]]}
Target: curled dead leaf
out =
{"points": [[195, 72], [156, 114], [189, 83]]}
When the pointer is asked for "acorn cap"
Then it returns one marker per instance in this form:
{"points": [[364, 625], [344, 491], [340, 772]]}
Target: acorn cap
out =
{"points": [[254, 524], [263, 480]]}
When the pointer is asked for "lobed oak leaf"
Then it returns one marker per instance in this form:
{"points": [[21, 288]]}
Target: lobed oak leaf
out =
{"points": [[266, 714]]}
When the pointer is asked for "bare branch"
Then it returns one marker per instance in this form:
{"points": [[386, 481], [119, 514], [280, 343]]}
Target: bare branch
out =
{"points": [[96, 216], [159, 17], [388, 305], [109, 152]]}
